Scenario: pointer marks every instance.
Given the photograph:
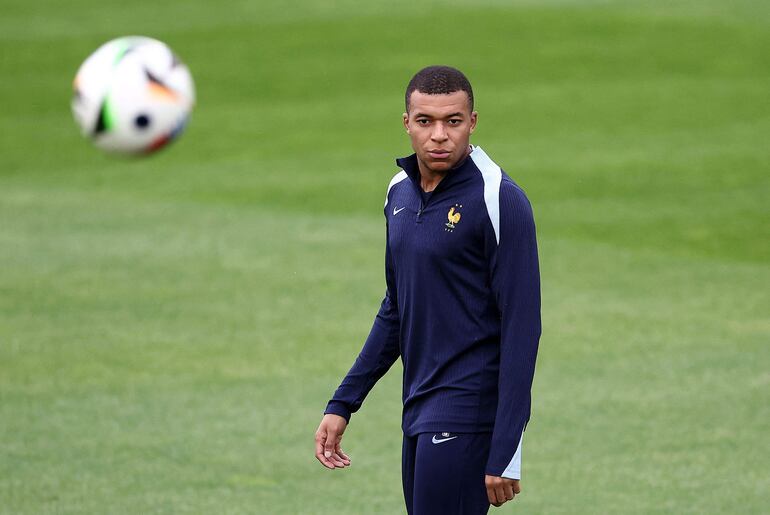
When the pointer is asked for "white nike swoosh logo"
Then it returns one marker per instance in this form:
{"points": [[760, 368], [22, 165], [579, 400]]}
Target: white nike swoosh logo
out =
{"points": [[397, 211], [436, 440]]}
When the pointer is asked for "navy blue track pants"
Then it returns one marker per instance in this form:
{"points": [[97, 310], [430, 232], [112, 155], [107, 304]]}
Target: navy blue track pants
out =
{"points": [[443, 473]]}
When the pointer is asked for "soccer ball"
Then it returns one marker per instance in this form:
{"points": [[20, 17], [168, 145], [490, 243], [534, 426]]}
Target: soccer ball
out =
{"points": [[132, 96]]}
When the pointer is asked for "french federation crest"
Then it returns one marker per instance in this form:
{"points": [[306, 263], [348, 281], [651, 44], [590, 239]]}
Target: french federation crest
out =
{"points": [[454, 217]]}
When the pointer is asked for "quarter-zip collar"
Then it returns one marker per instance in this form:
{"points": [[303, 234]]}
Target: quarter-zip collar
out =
{"points": [[459, 173]]}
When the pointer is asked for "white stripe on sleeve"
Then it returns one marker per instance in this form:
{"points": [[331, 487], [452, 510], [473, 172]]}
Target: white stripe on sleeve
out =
{"points": [[492, 175], [400, 176]]}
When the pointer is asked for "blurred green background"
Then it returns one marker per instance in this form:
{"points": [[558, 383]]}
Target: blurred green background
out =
{"points": [[171, 327]]}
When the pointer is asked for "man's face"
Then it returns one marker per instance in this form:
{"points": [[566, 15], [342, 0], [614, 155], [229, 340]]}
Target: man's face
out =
{"points": [[440, 128]]}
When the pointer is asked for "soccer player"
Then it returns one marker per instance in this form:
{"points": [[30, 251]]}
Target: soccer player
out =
{"points": [[461, 310]]}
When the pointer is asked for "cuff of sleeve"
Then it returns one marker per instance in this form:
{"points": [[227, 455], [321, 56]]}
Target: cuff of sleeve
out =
{"points": [[338, 408], [512, 470], [508, 474]]}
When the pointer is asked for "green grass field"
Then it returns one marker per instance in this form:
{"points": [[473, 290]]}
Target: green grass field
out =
{"points": [[171, 328]]}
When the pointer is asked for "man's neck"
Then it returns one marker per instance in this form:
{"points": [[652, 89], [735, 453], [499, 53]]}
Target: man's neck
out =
{"points": [[429, 179]]}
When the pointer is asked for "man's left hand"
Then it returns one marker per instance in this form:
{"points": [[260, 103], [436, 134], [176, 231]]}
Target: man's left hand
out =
{"points": [[501, 489]]}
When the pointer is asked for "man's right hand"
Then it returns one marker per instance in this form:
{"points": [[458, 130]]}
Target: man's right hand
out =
{"points": [[327, 442]]}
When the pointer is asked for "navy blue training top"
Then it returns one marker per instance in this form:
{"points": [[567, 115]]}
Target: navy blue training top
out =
{"points": [[461, 309]]}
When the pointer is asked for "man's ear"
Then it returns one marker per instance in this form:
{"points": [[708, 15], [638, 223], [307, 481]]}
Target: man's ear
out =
{"points": [[406, 122], [474, 119]]}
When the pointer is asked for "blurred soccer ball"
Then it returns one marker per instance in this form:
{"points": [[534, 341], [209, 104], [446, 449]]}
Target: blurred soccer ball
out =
{"points": [[132, 96]]}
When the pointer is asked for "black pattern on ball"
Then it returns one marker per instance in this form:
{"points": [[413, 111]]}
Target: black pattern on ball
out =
{"points": [[142, 121]]}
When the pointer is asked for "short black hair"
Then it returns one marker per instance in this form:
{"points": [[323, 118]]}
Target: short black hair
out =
{"points": [[439, 80]]}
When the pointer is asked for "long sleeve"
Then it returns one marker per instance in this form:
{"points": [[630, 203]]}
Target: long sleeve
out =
{"points": [[379, 352], [515, 281]]}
